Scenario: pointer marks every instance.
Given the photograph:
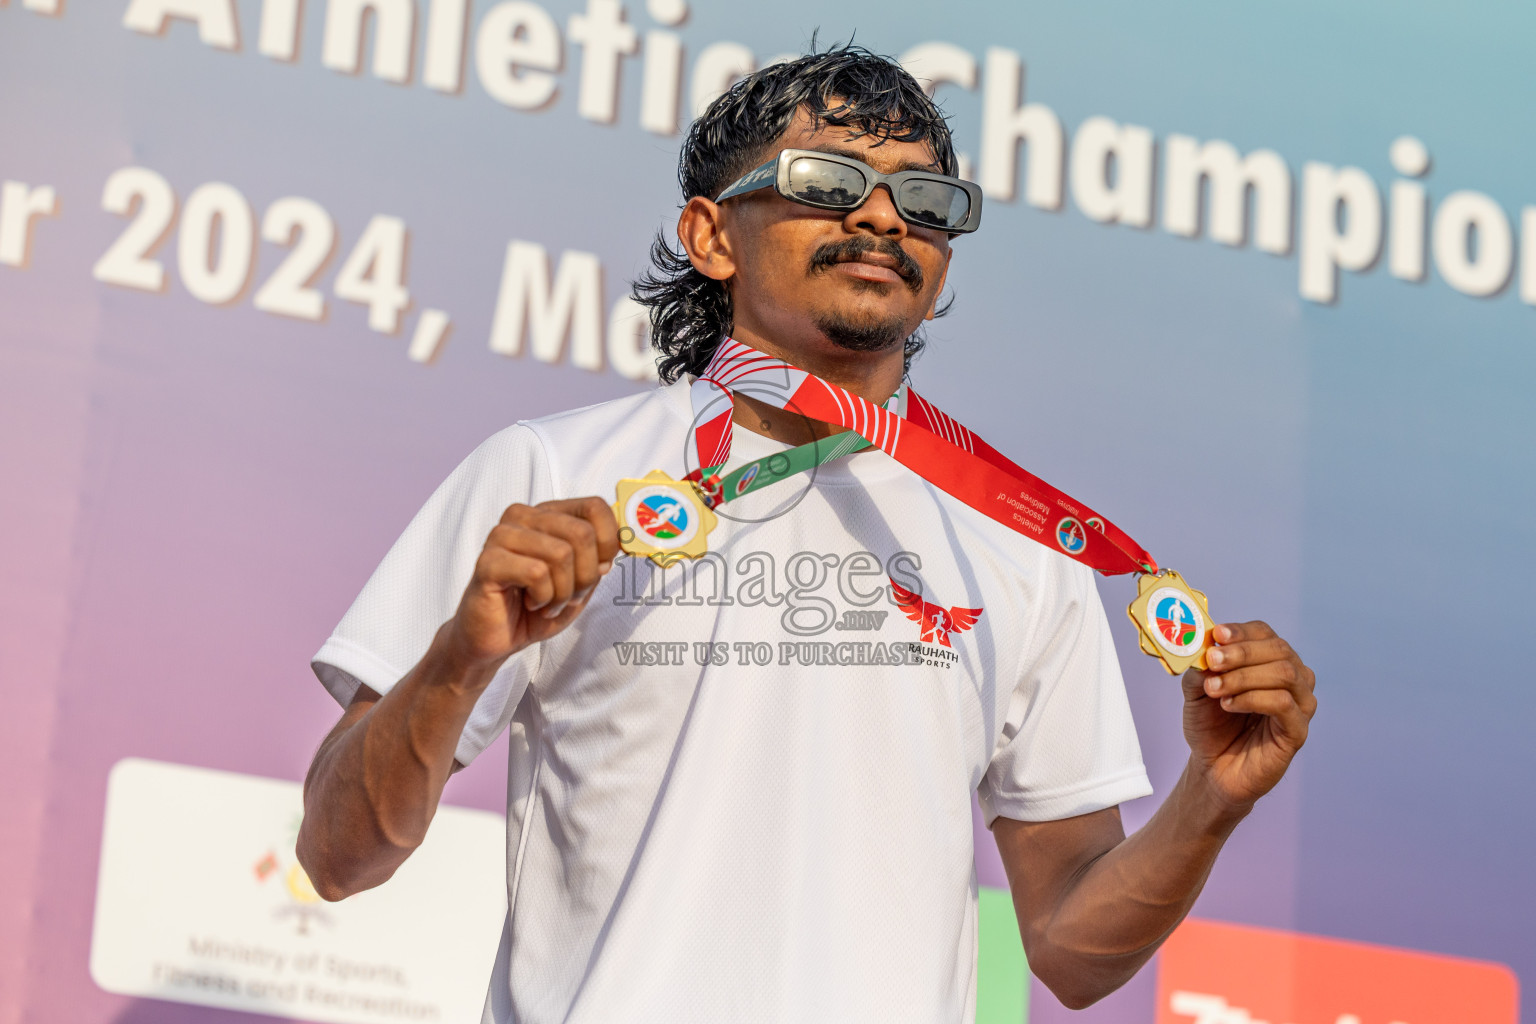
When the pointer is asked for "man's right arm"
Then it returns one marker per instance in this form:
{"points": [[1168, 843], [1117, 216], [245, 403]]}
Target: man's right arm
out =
{"points": [[376, 780]]}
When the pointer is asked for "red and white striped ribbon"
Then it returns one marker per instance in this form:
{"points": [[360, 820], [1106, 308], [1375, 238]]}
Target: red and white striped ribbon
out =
{"points": [[920, 436]]}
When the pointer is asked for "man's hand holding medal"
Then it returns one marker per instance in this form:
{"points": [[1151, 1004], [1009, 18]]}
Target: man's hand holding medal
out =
{"points": [[1246, 716]]}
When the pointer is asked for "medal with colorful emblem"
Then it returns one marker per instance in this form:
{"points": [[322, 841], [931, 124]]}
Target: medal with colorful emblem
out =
{"points": [[1173, 620], [664, 519]]}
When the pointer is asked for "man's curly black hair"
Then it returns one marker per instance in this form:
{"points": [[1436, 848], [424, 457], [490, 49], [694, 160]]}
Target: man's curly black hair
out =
{"points": [[845, 87]]}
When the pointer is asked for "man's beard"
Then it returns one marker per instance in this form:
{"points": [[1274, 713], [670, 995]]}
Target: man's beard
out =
{"points": [[869, 333]]}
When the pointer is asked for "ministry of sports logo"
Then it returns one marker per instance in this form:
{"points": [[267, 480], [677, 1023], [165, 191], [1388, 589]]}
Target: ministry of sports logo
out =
{"points": [[1178, 627], [1069, 534], [935, 621], [302, 902]]}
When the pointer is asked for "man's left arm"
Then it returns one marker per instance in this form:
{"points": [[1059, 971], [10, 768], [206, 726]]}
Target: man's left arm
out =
{"points": [[1094, 905]]}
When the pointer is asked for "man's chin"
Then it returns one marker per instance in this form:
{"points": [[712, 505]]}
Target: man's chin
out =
{"points": [[864, 333]]}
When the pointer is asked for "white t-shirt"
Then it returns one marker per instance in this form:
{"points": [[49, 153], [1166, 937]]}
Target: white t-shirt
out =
{"points": [[783, 831]]}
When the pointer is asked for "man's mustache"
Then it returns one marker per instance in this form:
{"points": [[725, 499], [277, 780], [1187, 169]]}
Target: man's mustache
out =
{"points": [[847, 250]]}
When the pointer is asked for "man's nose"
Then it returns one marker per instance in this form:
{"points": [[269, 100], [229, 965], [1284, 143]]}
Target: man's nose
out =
{"points": [[878, 215]]}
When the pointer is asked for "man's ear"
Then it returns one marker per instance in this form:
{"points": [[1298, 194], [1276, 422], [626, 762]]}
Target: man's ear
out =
{"points": [[701, 229], [933, 306]]}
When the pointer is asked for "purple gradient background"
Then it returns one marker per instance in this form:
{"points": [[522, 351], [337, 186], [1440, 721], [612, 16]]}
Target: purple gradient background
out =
{"points": [[195, 494]]}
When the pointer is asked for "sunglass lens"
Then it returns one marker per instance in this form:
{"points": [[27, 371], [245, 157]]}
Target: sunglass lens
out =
{"points": [[825, 183], [934, 203]]}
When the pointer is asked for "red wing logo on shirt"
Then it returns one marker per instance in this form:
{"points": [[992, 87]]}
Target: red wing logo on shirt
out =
{"points": [[937, 622]]}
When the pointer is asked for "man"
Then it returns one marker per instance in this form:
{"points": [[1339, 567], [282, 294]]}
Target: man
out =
{"points": [[717, 838]]}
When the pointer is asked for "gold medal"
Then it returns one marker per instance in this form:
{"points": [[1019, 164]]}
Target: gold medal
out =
{"points": [[1173, 619], [662, 519]]}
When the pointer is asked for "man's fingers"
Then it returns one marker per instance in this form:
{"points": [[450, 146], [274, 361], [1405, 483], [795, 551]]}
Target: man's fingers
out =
{"points": [[605, 529], [547, 546], [1236, 632], [1194, 683], [1248, 652], [1278, 677], [1279, 705], [579, 537], [594, 510], [587, 524], [1260, 702], [505, 569], [1256, 659]]}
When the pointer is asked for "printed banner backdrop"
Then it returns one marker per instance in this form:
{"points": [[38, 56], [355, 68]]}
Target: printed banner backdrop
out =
{"points": [[268, 270]]}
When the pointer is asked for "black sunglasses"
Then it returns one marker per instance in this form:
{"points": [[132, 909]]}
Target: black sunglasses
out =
{"points": [[833, 182]]}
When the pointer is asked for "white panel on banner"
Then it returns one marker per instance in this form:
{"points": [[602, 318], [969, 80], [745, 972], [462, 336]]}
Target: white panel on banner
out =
{"points": [[201, 900]]}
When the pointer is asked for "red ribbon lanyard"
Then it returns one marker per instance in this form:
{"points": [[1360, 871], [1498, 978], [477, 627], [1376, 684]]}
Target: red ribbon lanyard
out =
{"points": [[927, 441]]}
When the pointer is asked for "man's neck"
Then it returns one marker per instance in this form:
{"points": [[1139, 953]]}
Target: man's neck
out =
{"points": [[874, 376]]}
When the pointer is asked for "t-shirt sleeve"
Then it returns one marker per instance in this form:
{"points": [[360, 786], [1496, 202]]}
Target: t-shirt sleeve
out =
{"points": [[418, 585], [1068, 744]]}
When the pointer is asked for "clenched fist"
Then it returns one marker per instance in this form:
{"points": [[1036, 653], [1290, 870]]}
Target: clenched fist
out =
{"points": [[539, 566]]}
